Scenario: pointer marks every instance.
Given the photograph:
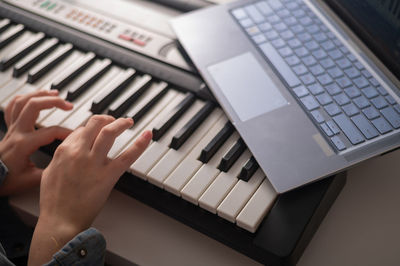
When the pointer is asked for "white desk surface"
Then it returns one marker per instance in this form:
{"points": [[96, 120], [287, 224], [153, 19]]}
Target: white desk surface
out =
{"points": [[361, 228]]}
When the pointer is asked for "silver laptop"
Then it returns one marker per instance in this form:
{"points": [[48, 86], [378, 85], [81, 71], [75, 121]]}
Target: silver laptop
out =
{"points": [[311, 86]]}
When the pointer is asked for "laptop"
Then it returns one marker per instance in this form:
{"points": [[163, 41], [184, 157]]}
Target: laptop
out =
{"points": [[311, 86]]}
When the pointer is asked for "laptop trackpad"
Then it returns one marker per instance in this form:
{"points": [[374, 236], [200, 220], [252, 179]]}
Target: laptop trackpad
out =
{"points": [[247, 86]]}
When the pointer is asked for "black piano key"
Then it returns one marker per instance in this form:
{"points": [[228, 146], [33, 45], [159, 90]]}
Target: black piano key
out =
{"points": [[34, 57], [21, 51], [10, 34], [74, 72], [173, 116], [92, 77], [249, 168], [48, 63], [219, 139], [109, 94], [122, 104], [187, 130], [4, 23], [155, 95], [232, 155]]}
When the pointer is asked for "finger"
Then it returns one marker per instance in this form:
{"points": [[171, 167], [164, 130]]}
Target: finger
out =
{"points": [[93, 128], [21, 101], [108, 134], [8, 110], [127, 158], [30, 112], [47, 135]]}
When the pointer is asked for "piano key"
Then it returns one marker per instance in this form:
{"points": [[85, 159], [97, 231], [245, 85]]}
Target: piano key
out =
{"points": [[89, 79], [147, 101], [42, 83], [10, 34], [184, 133], [21, 51], [158, 148], [107, 95], [73, 71], [231, 156], [206, 174], [129, 96], [223, 183], [47, 117], [239, 196], [189, 166], [173, 116], [82, 112], [249, 168], [257, 207], [4, 23], [172, 158], [49, 62], [129, 136], [216, 142], [31, 59]]}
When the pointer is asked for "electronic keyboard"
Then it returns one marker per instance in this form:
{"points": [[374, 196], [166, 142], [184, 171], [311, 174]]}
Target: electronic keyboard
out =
{"points": [[197, 168]]}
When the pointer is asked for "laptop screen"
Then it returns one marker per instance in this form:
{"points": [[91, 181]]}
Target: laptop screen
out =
{"points": [[377, 23]]}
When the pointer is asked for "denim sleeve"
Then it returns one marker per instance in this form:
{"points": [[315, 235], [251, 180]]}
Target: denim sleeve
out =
{"points": [[87, 248], [3, 259]]}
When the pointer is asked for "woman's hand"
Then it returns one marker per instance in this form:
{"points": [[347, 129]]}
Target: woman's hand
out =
{"points": [[78, 181], [22, 139]]}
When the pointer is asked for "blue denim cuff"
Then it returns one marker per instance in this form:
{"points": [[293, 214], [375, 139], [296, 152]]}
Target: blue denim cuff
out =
{"points": [[87, 248]]}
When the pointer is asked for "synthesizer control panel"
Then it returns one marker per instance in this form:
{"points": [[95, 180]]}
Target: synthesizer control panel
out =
{"points": [[100, 25]]}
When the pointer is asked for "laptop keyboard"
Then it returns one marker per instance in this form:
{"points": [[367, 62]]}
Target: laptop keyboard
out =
{"points": [[348, 105]]}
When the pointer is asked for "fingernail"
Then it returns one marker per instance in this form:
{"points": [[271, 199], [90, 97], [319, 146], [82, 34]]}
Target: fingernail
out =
{"points": [[69, 104], [54, 92], [147, 134]]}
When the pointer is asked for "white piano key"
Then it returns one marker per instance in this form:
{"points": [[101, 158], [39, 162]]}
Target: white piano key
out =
{"points": [[257, 207], [39, 84], [239, 196], [10, 33], [222, 185], [173, 157], [10, 88], [125, 139], [58, 116], [158, 148], [6, 76], [207, 173], [61, 74], [82, 111], [189, 166]]}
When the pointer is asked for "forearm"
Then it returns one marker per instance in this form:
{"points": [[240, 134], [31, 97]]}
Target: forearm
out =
{"points": [[48, 238]]}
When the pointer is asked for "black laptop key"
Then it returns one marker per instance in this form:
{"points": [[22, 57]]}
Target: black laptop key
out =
{"points": [[10, 34], [365, 126], [249, 168], [184, 133], [155, 95], [392, 116], [349, 129], [93, 76], [219, 139], [34, 57], [110, 93], [74, 72], [382, 125], [122, 104], [232, 155], [173, 116], [48, 63], [21, 51]]}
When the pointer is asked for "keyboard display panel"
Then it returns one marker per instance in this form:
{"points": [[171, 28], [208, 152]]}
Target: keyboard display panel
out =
{"points": [[344, 100]]}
